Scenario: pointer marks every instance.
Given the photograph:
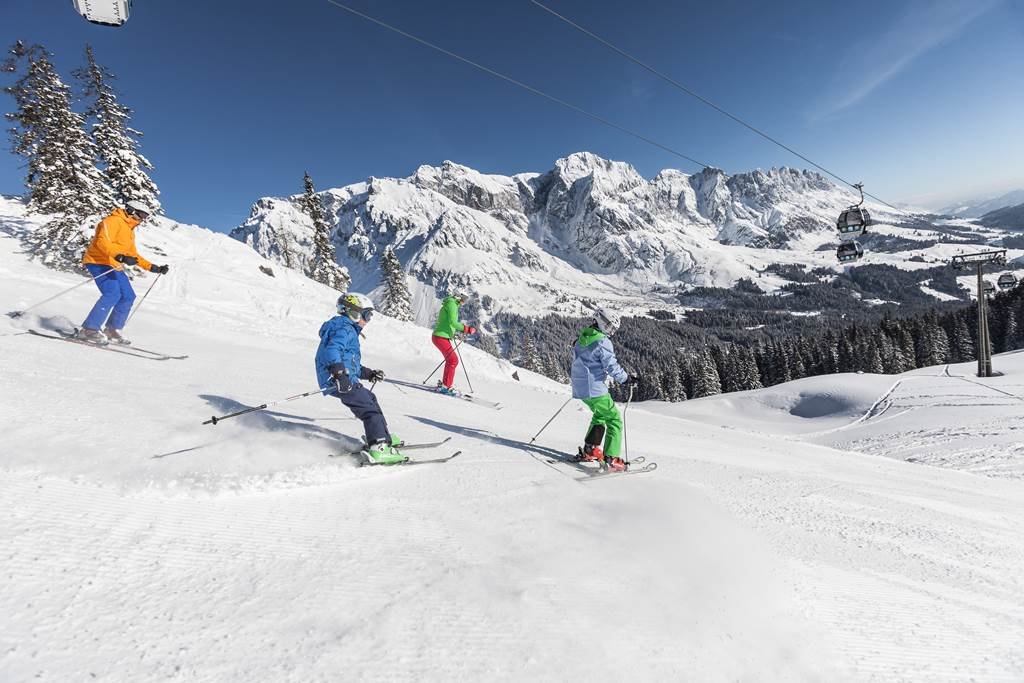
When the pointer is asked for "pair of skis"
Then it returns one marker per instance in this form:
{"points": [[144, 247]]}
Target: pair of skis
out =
{"points": [[635, 466], [465, 397], [125, 349], [364, 458]]}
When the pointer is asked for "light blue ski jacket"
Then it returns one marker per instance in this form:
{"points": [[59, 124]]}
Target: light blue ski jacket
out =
{"points": [[593, 361]]}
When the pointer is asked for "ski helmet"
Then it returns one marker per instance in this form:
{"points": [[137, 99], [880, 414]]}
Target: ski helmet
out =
{"points": [[607, 321], [459, 294], [138, 209], [356, 306]]}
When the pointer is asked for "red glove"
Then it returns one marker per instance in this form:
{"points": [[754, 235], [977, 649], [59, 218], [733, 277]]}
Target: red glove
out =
{"points": [[469, 329]]}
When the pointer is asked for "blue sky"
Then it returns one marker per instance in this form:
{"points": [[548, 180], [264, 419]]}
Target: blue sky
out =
{"points": [[921, 100]]}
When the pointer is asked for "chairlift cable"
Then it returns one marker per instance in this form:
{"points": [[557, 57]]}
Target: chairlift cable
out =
{"points": [[525, 86], [711, 104]]}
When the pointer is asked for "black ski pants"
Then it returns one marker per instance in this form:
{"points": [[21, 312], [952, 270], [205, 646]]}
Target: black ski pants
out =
{"points": [[363, 405]]}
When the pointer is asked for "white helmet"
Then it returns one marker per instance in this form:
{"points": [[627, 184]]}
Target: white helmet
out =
{"points": [[607, 321], [459, 294], [139, 209], [356, 306]]}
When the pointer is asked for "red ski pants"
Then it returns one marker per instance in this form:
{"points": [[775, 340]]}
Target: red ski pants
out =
{"points": [[451, 358]]}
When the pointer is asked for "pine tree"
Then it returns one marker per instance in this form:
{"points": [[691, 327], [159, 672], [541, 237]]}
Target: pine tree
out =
{"points": [[674, 390], [962, 345], [397, 300], [1010, 335], [118, 144], [62, 175], [706, 381], [487, 344], [323, 267], [530, 358], [874, 360], [748, 376]]}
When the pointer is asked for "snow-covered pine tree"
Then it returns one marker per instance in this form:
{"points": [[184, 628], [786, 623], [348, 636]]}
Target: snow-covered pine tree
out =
{"points": [[62, 176], [530, 359], [961, 342], [118, 143], [748, 376], [488, 344], [706, 381], [397, 299], [1011, 336], [674, 390], [323, 267]]}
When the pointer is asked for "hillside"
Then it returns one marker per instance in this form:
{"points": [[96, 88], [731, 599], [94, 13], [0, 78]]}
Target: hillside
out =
{"points": [[1010, 217], [141, 544], [978, 207], [591, 229]]}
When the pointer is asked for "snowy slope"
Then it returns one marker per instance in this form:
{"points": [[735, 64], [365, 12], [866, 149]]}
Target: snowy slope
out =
{"points": [[589, 228], [139, 544]]}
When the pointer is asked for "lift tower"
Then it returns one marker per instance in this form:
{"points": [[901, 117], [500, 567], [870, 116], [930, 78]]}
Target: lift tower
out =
{"points": [[962, 261]]}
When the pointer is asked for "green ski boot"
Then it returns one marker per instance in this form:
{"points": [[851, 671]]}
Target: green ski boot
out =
{"points": [[383, 453]]}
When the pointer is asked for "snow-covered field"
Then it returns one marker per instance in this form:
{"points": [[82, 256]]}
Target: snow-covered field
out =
{"points": [[136, 543]]}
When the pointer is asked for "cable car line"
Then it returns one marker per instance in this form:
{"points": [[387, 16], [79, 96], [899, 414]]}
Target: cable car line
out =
{"points": [[530, 88], [706, 101]]}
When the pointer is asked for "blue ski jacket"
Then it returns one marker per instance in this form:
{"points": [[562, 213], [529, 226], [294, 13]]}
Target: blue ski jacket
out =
{"points": [[339, 343], [593, 361]]}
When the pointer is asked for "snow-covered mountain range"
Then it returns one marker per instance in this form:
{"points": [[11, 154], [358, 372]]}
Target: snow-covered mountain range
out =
{"points": [[588, 229], [977, 207]]}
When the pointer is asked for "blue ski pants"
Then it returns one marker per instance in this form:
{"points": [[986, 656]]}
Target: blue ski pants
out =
{"points": [[363, 405], [116, 298]]}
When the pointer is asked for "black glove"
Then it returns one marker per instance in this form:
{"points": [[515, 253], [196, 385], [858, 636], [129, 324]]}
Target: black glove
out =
{"points": [[126, 259], [160, 270], [631, 380], [341, 378], [371, 375]]}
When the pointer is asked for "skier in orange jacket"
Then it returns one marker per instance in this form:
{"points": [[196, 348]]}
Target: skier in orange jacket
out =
{"points": [[112, 248]]}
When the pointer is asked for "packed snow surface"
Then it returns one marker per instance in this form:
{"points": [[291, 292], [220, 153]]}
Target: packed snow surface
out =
{"points": [[139, 544]]}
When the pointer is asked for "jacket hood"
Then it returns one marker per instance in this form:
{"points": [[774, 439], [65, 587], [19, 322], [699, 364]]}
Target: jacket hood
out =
{"points": [[588, 335], [121, 214]]}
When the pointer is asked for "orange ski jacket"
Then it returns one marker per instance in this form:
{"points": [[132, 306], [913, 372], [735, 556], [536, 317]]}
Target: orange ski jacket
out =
{"points": [[115, 235]]}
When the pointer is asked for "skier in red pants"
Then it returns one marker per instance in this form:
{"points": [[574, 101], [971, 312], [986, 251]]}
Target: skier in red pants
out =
{"points": [[448, 325]]}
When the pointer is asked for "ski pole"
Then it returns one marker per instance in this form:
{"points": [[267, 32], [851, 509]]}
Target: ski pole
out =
{"points": [[537, 435], [143, 299], [18, 314], [464, 370], [442, 362], [625, 440], [214, 420]]}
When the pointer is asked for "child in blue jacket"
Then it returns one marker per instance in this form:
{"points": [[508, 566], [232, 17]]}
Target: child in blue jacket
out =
{"points": [[339, 371]]}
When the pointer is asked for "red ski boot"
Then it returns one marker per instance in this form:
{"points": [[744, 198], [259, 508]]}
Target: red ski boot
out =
{"points": [[615, 464], [590, 454]]}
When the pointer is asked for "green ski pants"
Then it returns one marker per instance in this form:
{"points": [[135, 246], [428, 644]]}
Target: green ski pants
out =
{"points": [[607, 414]]}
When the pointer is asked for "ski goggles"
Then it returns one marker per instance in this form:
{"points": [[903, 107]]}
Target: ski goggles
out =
{"points": [[366, 314]]}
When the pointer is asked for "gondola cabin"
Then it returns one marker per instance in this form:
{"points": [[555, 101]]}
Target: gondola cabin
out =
{"points": [[853, 223], [1007, 281], [849, 252], [989, 288], [104, 12]]}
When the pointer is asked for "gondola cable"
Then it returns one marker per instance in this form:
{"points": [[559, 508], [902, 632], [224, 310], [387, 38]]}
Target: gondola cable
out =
{"points": [[688, 91], [530, 88]]}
